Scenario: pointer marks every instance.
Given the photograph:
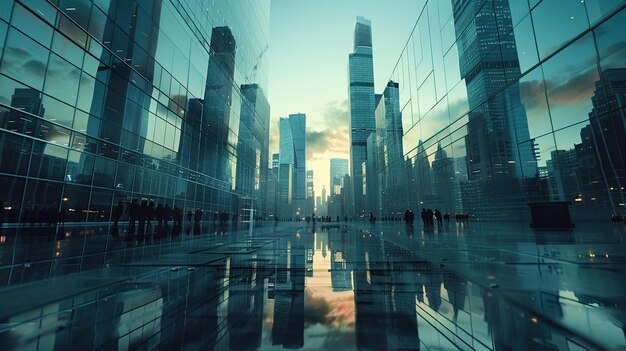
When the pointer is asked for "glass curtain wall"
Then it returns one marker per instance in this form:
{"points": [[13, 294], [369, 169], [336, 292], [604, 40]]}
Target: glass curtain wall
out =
{"points": [[505, 103], [159, 101]]}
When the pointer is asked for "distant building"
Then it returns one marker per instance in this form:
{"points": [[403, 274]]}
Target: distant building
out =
{"points": [[338, 168], [310, 193], [293, 152]]}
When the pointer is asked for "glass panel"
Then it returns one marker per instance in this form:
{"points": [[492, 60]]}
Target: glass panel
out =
{"points": [[14, 153], [104, 172], [41, 8], [20, 96], [79, 168], [570, 79], [598, 9], [67, 49], [31, 25], [53, 133], [48, 161], [74, 32], [78, 10], [24, 60], [56, 111], [6, 6], [525, 44], [4, 28], [62, 80], [13, 189], [75, 203], [558, 21], [534, 103], [611, 42]]}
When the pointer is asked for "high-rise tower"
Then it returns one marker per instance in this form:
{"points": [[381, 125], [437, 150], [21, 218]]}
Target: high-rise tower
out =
{"points": [[362, 103]]}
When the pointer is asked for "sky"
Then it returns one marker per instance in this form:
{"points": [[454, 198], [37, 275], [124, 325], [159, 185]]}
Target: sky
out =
{"points": [[309, 45]]}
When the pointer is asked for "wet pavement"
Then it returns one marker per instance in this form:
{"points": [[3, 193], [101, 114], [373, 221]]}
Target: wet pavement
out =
{"points": [[476, 286]]}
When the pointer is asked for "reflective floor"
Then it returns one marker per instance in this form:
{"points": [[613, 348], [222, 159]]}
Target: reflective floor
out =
{"points": [[294, 285]]}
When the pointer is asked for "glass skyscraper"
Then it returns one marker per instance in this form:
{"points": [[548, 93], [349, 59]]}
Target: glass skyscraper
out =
{"points": [[338, 169], [111, 101], [292, 151], [506, 103], [362, 104]]}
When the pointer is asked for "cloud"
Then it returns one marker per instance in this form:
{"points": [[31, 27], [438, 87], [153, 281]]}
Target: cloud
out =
{"points": [[336, 114], [316, 309], [329, 141], [332, 311], [571, 92], [35, 67]]}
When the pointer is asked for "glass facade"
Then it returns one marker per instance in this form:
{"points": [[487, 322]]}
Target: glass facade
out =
{"points": [[338, 169], [157, 101], [505, 103], [362, 105], [293, 152]]}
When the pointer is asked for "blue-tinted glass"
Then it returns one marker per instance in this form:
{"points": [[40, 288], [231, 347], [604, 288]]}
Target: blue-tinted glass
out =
{"points": [[570, 79], [62, 80], [79, 167], [78, 10], [598, 9], [611, 42], [533, 101], [104, 172], [3, 35], [31, 25], [6, 6], [72, 31], [24, 59], [67, 49], [42, 9], [57, 112], [53, 134], [556, 22], [525, 44], [48, 161], [15, 152], [519, 9]]}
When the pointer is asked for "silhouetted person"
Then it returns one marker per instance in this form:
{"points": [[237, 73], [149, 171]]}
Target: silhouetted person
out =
{"points": [[142, 215], [429, 216], [33, 216], [133, 213], [424, 217], [438, 216], [189, 216], [150, 215], [158, 213], [117, 212], [167, 213], [197, 216], [446, 216], [2, 213]]}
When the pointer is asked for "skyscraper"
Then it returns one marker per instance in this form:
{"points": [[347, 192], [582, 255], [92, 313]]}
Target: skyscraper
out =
{"points": [[310, 193], [293, 151], [497, 160], [338, 169], [390, 157], [362, 104]]}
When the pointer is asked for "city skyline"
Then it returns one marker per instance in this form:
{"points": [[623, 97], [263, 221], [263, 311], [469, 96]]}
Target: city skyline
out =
{"points": [[294, 30]]}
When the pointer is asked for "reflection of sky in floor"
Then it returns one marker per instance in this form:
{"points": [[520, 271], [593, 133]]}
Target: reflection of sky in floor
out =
{"points": [[328, 316]]}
